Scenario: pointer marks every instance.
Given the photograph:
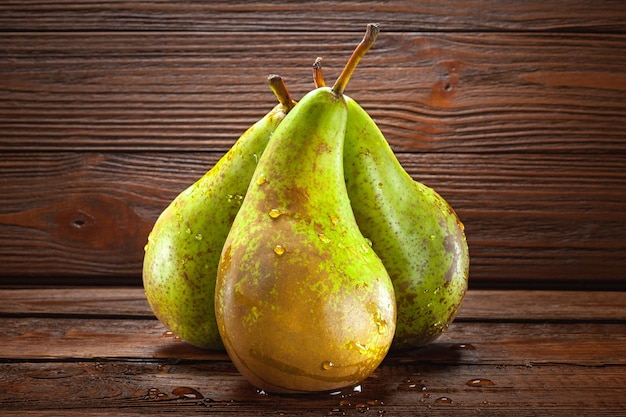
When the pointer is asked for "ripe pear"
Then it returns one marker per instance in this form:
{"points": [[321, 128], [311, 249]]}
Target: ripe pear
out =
{"points": [[184, 247], [302, 302], [415, 232]]}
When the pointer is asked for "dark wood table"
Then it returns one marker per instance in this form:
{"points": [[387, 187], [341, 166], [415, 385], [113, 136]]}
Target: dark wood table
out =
{"points": [[100, 351]]}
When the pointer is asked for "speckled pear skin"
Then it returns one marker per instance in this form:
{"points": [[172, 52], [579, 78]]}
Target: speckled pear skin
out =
{"points": [[413, 229], [302, 302], [184, 247]]}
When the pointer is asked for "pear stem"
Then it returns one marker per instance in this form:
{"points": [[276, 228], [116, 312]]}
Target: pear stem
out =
{"points": [[277, 84], [371, 33], [318, 77]]}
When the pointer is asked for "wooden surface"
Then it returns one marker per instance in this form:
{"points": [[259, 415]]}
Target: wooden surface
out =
{"points": [[513, 110], [77, 352]]}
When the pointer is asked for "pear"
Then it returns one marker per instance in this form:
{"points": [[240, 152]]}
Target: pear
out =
{"points": [[302, 302], [415, 232], [184, 246]]}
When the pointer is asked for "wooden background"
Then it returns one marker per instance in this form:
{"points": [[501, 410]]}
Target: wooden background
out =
{"points": [[515, 111]]}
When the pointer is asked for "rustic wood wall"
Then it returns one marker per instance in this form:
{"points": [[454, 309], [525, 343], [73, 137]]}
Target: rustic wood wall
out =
{"points": [[515, 111]]}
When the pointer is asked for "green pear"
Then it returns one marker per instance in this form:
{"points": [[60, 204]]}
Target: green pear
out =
{"points": [[302, 302], [415, 232], [184, 247]]}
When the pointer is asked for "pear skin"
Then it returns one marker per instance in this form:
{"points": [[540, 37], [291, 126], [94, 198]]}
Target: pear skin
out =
{"points": [[416, 233], [184, 246], [302, 301]]}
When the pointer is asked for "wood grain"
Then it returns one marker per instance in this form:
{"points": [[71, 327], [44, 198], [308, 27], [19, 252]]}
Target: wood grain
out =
{"points": [[273, 15], [485, 305], [122, 388], [499, 332], [508, 353], [534, 217], [512, 110], [443, 92]]}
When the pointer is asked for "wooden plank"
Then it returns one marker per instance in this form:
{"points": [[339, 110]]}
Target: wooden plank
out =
{"points": [[443, 92], [574, 306], [586, 344], [527, 217], [111, 302], [123, 388], [398, 15], [508, 353]]}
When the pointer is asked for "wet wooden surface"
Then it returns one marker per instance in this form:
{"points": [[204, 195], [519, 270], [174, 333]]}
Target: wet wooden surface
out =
{"points": [[100, 351], [514, 111]]}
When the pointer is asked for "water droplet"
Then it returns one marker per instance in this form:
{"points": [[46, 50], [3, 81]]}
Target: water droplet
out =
{"points": [[327, 365], [261, 392], [346, 393], [261, 179], [410, 385], [199, 236], [155, 394], [323, 237], [461, 225], [188, 231], [358, 346], [369, 242], [375, 402], [463, 346], [443, 400], [344, 403], [236, 198], [256, 158], [186, 392], [433, 237], [275, 213], [362, 408], [172, 335], [279, 250], [480, 382], [381, 324]]}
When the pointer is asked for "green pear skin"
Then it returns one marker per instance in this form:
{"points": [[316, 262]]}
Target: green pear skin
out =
{"points": [[184, 246], [413, 230], [302, 301]]}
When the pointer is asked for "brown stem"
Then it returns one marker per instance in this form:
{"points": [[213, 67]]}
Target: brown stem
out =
{"points": [[318, 77], [366, 43], [277, 84]]}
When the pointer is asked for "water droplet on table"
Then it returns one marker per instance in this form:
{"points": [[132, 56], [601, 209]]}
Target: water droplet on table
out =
{"points": [[443, 400], [187, 392], [362, 408], [480, 382]]}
